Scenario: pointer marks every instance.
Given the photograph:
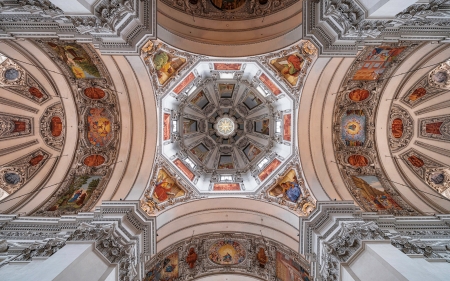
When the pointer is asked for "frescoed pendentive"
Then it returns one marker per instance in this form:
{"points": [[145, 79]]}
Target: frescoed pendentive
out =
{"points": [[226, 252], [353, 128], [166, 188], [288, 188], [166, 126], [226, 187], [77, 194], [77, 59], [289, 66], [269, 169], [227, 66], [184, 169], [166, 65], [289, 270], [99, 126], [376, 62], [186, 81], [371, 189], [436, 128], [269, 84], [166, 269]]}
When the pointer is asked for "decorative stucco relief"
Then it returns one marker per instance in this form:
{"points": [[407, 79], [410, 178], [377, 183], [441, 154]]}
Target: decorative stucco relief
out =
{"points": [[98, 127], [354, 130], [15, 126], [435, 128], [218, 253], [401, 128], [17, 173], [53, 126], [17, 80]]}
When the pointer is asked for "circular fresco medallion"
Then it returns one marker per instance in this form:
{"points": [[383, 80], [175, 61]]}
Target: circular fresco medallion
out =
{"points": [[353, 127], [228, 5], [11, 74], [440, 77], [226, 252], [12, 178]]}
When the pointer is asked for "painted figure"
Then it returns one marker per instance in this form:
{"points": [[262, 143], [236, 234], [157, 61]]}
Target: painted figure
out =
{"points": [[191, 258], [262, 258]]}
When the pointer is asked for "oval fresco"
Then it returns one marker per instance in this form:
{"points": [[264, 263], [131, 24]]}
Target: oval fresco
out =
{"points": [[358, 160], [35, 92], [417, 94], [11, 74], [358, 95], [36, 160], [99, 127], [12, 178], [94, 93], [416, 161], [437, 178], [226, 252], [94, 160], [397, 128], [56, 126]]}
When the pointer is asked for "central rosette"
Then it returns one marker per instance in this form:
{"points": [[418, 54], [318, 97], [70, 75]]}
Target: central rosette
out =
{"points": [[225, 126]]}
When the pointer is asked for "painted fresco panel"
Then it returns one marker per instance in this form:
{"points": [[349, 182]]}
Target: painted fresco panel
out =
{"points": [[166, 133], [99, 130], [272, 87], [186, 81], [376, 62], [166, 65], [227, 66], [200, 100], [189, 126], [166, 269], [262, 126], [287, 127], [251, 151], [200, 151], [353, 128], [251, 101], [289, 66], [77, 59], [226, 90], [184, 169], [288, 188], [373, 191], [166, 188], [78, 193], [226, 187], [225, 162], [226, 252], [269, 169], [289, 270]]}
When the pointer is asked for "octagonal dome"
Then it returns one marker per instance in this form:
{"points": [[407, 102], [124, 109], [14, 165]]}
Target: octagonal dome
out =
{"points": [[227, 126]]}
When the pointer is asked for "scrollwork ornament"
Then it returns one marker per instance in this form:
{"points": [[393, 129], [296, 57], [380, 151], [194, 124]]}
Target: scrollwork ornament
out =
{"points": [[401, 128]]}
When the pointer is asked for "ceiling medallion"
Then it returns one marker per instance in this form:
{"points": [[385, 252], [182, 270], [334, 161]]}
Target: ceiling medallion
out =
{"points": [[225, 126]]}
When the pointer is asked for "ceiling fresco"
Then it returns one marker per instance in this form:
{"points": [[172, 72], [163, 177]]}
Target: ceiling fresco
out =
{"points": [[226, 125]]}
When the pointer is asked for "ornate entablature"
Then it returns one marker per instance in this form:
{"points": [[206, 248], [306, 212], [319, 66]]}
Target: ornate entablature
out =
{"points": [[354, 130], [339, 26], [228, 126], [115, 27]]}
